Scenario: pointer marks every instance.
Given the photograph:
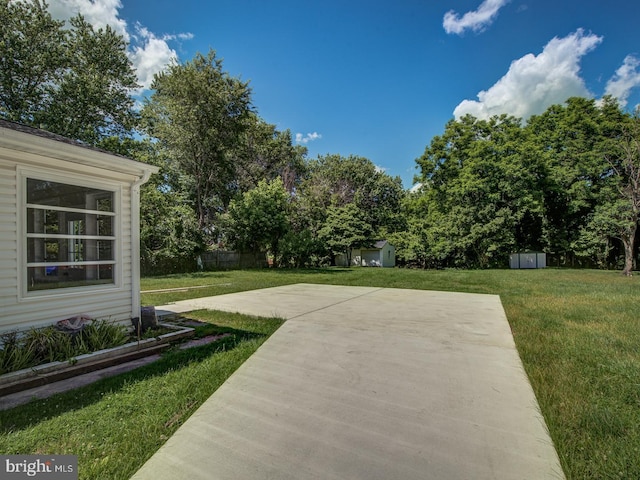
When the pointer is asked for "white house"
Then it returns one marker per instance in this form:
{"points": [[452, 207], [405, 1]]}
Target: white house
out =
{"points": [[69, 230], [381, 254]]}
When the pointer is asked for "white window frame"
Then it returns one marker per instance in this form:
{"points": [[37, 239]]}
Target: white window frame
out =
{"points": [[44, 174]]}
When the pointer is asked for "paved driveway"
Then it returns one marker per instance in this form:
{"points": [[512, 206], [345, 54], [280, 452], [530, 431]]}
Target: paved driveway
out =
{"points": [[366, 383]]}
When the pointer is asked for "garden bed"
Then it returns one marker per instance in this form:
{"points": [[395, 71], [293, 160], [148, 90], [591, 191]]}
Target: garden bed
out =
{"points": [[51, 372]]}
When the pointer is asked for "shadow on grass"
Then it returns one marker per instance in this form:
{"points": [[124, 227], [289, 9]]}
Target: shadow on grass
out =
{"points": [[310, 271], [25, 416]]}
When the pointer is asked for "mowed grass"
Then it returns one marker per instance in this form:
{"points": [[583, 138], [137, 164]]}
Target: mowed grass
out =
{"points": [[577, 332]]}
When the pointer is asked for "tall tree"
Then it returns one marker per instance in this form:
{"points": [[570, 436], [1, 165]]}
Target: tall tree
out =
{"points": [[481, 184], [333, 180], [198, 112], [92, 99], [617, 213], [68, 79], [571, 141], [32, 59], [265, 153]]}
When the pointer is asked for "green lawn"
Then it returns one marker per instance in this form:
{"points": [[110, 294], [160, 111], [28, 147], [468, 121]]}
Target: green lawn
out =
{"points": [[576, 331]]}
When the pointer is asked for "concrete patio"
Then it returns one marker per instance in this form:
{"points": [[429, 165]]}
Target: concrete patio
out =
{"points": [[366, 383]]}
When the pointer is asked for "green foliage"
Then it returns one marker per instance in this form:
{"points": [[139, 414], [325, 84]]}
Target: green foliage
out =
{"points": [[72, 79], [264, 153], [259, 219], [333, 180], [562, 184], [480, 185], [345, 229], [32, 61], [198, 113]]}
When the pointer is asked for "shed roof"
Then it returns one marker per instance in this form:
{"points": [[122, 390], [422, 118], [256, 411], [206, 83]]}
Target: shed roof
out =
{"points": [[378, 245]]}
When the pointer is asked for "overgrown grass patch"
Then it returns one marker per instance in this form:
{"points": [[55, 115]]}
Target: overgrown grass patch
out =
{"points": [[116, 424]]}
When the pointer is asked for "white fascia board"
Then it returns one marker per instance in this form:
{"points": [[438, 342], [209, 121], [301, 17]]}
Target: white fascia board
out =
{"points": [[83, 156]]}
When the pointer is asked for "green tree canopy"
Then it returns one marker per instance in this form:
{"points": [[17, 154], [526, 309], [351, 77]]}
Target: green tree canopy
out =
{"points": [[259, 219], [481, 181], [345, 229], [198, 113], [333, 180], [72, 79]]}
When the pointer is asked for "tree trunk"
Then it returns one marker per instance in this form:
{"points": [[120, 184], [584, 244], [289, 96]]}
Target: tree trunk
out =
{"points": [[628, 252]]}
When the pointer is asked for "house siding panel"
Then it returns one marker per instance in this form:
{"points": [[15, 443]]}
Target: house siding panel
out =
{"points": [[35, 311], [24, 153], [8, 243]]}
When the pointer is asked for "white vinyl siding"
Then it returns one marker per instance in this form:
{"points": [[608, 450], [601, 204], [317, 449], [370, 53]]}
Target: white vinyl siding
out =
{"points": [[8, 237], [21, 309], [27, 153]]}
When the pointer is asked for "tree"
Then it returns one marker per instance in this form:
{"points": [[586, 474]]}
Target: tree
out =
{"points": [[33, 48], [92, 99], [572, 140], [73, 81], [481, 184], [264, 153], [345, 229], [198, 113], [170, 239], [258, 220], [333, 180], [618, 212]]}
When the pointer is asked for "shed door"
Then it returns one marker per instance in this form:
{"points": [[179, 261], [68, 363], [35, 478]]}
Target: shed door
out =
{"points": [[371, 258]]}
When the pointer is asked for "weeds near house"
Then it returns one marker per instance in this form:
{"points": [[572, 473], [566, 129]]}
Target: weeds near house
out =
{"points": [[44, 345]]}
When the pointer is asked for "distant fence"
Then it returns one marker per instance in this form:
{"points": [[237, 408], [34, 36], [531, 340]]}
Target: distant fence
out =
{"points": [[223, 259]]}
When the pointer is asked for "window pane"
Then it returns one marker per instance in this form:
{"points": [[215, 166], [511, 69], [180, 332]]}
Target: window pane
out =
{"points": [[41, 278], [105, 225], [68, 250], [69, 223], [43, 192]]}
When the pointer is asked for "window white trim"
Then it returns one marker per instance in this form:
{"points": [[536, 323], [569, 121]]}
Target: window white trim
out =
{"points": [[23, 173]]}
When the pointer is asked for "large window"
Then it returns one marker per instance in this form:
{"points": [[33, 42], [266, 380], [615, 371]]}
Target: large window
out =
{"points": [[70, 235]]}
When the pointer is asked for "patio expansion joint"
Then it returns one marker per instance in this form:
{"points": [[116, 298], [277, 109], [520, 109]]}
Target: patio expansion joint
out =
{"points": [[337, 303]]}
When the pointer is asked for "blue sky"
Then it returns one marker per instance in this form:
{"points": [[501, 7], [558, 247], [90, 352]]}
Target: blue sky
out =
{"points": [[380, 78]]}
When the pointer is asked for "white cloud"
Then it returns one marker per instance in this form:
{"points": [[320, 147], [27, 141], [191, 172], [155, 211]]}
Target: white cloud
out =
{"points": [[309, 137], [533, 83], [475, 20], [149, 53], [626, 78], [98, 13], [150, 56]]}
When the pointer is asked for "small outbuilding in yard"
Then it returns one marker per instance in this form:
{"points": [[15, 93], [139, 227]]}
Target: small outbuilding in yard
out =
{"points": [[69, 230], [380, 254]]}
